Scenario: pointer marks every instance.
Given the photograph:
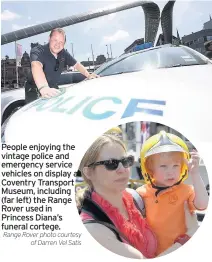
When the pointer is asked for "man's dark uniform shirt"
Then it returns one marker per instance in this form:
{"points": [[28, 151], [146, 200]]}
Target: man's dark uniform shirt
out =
{"points": [[52, 68]]}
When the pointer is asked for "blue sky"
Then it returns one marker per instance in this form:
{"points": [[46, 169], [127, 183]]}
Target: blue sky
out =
{"points": [[119, 29]]}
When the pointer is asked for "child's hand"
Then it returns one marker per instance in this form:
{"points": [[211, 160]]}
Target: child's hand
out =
{"points": [[193, 163]]}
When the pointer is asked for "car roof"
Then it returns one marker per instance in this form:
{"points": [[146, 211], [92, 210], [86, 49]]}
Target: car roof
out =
{"points": [[151, 48], [123, 56]]}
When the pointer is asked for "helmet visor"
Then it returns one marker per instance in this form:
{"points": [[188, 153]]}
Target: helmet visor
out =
{"points": [[164, 149]]}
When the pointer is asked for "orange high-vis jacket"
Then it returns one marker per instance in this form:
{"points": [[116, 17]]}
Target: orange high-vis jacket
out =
{"points": [[165, 213]]}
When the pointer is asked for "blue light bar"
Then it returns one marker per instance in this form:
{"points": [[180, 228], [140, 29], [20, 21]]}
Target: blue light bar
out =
{"points": [[143, 46]]}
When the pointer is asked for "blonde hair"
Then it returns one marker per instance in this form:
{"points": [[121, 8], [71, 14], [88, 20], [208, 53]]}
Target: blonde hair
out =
{"points": [[58, 30], [91, 156]]}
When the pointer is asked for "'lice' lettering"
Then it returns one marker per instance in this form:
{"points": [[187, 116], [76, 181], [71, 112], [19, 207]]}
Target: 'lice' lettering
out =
{"points": [[145, 106]]}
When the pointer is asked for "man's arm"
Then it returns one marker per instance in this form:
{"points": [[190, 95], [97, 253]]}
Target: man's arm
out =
{"points": [[71, 61], [84, 71], [81, 69], [41, 82], [37, 62], [38, 74]]}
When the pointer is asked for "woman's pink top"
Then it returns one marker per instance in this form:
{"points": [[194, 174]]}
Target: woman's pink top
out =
{"points": [[135, 229]]}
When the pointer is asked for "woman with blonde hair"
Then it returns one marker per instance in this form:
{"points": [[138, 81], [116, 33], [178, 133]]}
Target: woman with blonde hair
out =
{"points": [[106, 208]]}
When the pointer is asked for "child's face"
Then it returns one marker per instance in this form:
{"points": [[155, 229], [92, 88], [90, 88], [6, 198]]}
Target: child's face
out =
{"points": [[166, 168]]}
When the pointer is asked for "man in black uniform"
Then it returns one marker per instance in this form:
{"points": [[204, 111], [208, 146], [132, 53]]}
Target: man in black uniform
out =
{"points": [[47, 63]]}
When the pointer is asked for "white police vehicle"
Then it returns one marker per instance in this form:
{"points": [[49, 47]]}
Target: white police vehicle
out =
{"points": [[157, 82]]}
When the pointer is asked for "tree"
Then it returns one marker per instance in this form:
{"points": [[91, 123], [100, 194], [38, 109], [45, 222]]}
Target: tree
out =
{"points": [[100, 59]]}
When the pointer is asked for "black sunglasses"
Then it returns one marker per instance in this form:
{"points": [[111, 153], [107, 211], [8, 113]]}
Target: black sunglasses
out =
{"points": [[57, 65], [112, 164]]}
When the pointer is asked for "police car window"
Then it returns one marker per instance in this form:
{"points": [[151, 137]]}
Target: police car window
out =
{"points": [[132, 63], [163, 57]]}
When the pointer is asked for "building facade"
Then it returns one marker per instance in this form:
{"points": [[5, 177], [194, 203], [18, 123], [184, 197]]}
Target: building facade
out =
{"points": [[197, 40], [9, 74], [93, 65], [100, 59], [208, 25]]}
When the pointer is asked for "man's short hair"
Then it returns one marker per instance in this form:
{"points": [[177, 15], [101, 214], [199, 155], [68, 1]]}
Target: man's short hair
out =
{"points": [[59, 30]]}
